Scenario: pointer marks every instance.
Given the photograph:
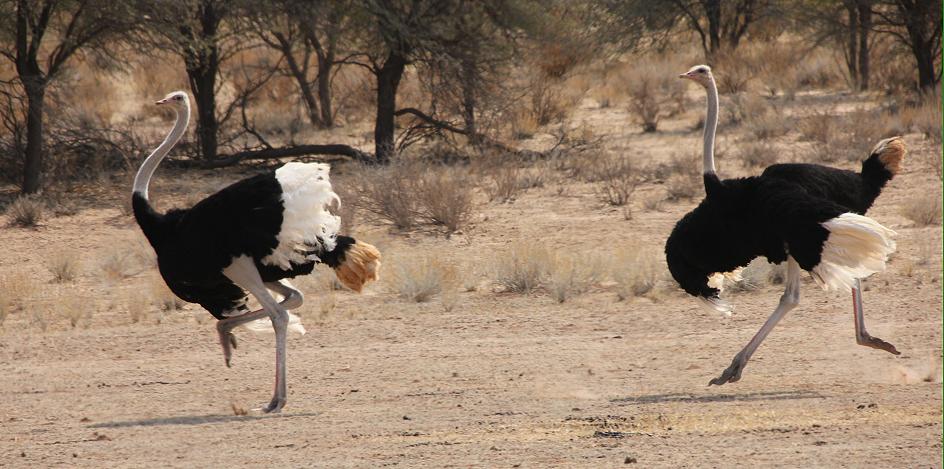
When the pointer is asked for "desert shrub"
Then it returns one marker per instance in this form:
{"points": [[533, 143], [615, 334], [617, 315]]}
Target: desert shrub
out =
{"points": [[654, 93], [523, 268], [683, 186], [768, 125], [753, 277], [137, 307], [419, 279], [653, 203], [118, 264], [573, 274], [816, 127], [63, 265], [923, 210], [389, 193], [445, 198], [15, 289], [743, 107], [505, 183], [161, 296], [77, 310], [635, 271], [926, 119], [25, 211], [618, 181], [757, 154], [734, 71]]}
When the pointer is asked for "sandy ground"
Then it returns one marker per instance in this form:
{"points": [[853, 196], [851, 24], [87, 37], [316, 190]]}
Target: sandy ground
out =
{"points": [[501, 380]]}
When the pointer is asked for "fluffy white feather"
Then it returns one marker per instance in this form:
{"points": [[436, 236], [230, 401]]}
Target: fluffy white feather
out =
{"points": [[857, 247], [306, 196], [264, 325]]}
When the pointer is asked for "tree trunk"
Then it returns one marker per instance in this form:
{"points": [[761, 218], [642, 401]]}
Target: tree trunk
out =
{"points": [[865, 25], [852, 51], [203, 86], [303, 86], [469, 81], [325, 64], [926, 76], [33, 162], [388, 80], [713, 13]]}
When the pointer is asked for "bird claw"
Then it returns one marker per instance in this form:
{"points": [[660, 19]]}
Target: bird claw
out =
{"points": [[275, 406], [228, 342], [876, 343], [731, 374]]}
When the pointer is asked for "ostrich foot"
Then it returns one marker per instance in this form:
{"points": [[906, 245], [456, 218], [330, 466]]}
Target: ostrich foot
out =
{"points": [[228, 342], [876, 343], [274, 407], [732, 373]]}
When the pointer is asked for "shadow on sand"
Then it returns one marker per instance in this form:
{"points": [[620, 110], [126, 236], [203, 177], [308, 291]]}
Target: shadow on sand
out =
{"points": [[706, 398], [196, 420]]}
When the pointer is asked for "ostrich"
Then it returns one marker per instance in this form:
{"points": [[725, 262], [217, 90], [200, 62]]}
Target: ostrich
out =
{"points": [[247, 239], [808, 215]]}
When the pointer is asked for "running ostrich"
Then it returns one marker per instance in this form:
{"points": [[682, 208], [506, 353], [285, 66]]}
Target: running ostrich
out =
{"points": [[808, 215], [247, 239]]}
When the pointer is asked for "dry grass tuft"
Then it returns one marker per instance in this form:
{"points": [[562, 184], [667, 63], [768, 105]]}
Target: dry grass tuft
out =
{"points": [[63, 265], [420, 279], [754, 276], [683, 187], [923, 210], [77, 310], [635, 271], [573, 274], [162, 297], [137, 306], [25, 211], [118, 265], [15, 290], [523, 268], [757, 154], [618, 181], [388, 193], [654, 92], [445, 198]]}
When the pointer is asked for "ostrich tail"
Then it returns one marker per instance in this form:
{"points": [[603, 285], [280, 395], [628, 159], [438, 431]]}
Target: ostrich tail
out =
{"points": [[857, 247], [264, 325], [884, 161], [361, 264]]}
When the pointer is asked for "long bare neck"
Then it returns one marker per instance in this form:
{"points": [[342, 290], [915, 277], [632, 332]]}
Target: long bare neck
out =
{"points": [[143, 178], [711, 126]]}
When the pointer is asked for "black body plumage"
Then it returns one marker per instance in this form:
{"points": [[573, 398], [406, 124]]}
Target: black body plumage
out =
{"points": [[775, 214], [194, 245]]}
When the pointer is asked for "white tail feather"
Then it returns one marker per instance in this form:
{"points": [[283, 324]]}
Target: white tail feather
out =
{"points": [[264, 325], [717, 305], [857, 247], [306, 196]]}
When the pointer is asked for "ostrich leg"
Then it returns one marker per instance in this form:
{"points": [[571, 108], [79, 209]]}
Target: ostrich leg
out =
{"points": [[243, 272], [788, 301], [863, 337], [292, 299]]}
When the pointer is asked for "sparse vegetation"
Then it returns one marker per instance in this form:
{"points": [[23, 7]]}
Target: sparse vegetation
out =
{"points": [[445, 198], [923, 210], [522, 268], [420, 279], [757, 154], [63, 265], [162, 297], [652, 95], [25, 211], [635, 271], [618, 181], [573, 274]]}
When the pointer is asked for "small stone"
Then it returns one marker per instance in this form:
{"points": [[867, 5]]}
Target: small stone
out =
{"points": [[629, 460]]}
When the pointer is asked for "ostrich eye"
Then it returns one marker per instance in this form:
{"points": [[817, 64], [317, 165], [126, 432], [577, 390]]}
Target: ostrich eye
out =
{"points": [[177, 98]]}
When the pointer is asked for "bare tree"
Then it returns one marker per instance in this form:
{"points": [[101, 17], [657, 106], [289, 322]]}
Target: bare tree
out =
{"points": [[302, 30], [202, 34], [719, 24], [917, 25], [40, 38], [848, 24]]}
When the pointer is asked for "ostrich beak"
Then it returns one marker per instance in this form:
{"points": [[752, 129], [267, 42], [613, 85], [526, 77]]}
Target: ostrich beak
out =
{"points": [[684, 75], [163, 101]]}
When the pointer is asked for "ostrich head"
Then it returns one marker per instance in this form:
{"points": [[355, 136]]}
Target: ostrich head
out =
{"points": [[178, 99], [700, 74]]}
